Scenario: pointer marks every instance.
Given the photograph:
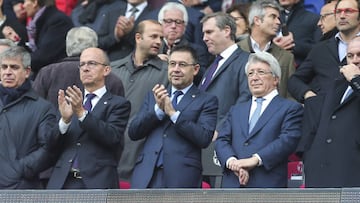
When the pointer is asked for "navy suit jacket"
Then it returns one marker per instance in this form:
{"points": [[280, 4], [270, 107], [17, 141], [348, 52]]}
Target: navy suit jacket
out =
{"points": [[274, 138], [97, 141], [230, 83], [181, 142]]}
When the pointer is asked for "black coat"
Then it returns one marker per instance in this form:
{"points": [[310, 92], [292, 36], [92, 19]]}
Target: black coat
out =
{"points": [[27, 126]]}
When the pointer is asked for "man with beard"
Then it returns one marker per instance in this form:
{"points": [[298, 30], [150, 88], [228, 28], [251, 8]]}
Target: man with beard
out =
{"points": [[139, 72]]}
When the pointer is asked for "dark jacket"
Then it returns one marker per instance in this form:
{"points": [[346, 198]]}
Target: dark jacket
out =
{"points": [[51, 29], [27, 126]]}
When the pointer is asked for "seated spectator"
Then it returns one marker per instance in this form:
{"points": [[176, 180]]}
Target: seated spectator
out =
{"points": [[47, 32], [240, 13]]}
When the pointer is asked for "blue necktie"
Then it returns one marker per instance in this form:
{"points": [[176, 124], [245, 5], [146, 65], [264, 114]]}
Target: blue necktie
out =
{"points": [[256, 115], [174, 101], [210, 73], [88, 107]]}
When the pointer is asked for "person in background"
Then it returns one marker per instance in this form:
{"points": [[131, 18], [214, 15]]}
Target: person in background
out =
{"points": [[258, 136], [240, 13], [140, 71], [327, 22], [225, 77], [66, 72], [47, 33]]}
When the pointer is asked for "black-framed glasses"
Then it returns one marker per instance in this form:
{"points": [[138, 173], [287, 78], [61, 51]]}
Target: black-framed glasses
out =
{"points": [[170, 21], [91, 64], [258, 72], [181, 64], [346, 11], [323, 16]]}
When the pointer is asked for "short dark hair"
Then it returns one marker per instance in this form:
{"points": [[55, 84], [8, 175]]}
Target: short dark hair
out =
{"points": [[188, 49]]}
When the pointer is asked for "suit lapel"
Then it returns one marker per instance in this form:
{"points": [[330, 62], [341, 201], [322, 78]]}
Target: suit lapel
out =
{"points": [[188, 98], [333, 48], [339, 90], [243, 116], [268, 113], [233, 56]]}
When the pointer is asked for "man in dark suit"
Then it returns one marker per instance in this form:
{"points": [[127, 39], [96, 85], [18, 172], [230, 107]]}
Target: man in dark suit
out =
{"points": [[321, 66], [117, 33], [227, 80], [176, 123], [258, 135], [91, 136], [330, 141]]}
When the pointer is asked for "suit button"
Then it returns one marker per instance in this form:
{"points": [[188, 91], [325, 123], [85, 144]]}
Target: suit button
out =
{"points": [[333, 117], [246, 144], [165, 135], [329, 140], [78, 144]]}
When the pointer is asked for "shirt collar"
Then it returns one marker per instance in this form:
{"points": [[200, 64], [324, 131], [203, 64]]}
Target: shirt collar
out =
{"points": [[269, 96], [228, 51], [140, 7], [184, 91], [99, 92]]}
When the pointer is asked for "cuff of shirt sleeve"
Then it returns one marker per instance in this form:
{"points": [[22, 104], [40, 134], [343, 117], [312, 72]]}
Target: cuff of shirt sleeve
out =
{"points": [[228, 161], [160, 114], [63, 127], [259, 158], [81, 119], [175, 116]]}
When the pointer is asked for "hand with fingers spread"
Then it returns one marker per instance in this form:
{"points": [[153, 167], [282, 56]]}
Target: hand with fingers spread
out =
{"points": [[73, 98]]}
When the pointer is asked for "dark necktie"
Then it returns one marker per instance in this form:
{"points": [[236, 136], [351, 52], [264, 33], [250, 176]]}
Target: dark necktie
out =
{"points": [[88, 105], [256, 115], [210, 73], [174, 101], [133, 11]]}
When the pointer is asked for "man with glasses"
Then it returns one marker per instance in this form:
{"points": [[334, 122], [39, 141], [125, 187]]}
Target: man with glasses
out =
{"points": [[321, 66], [258, 135], [174, 19], [330, 139], [91, 129], [327, 22], [176, 122]]}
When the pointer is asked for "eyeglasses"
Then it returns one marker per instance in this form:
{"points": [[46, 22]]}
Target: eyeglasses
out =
{"points": [[172, 64], [171, 21], [260, 73], [347, 11], [323, 16], [91, 64]]}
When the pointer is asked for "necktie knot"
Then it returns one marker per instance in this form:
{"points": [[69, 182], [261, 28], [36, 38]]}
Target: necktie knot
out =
{"points": [[89, 97], [133, 11], [259, 100]]}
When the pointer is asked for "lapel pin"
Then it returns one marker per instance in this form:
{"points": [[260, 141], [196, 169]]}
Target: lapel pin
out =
{"points": [[193, 96], [105, 102]]}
